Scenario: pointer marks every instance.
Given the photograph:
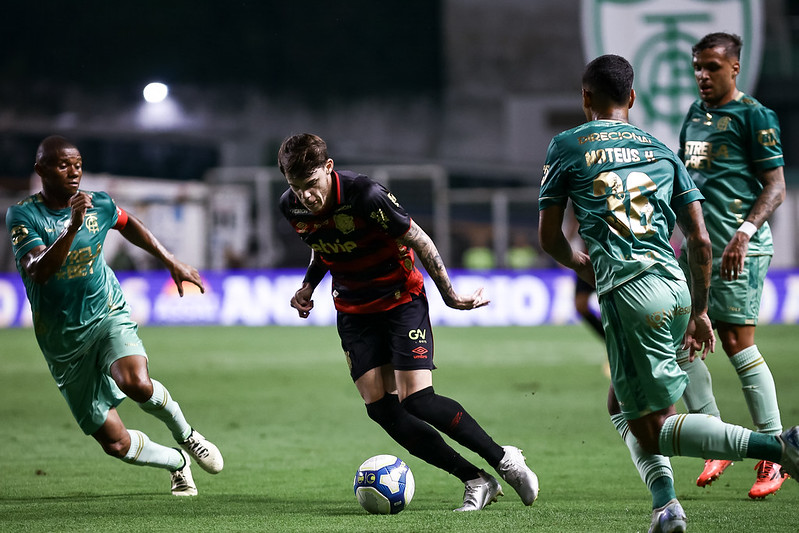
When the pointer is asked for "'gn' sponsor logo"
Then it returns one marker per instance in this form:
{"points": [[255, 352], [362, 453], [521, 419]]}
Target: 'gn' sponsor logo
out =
{"points": [[417, 334]]}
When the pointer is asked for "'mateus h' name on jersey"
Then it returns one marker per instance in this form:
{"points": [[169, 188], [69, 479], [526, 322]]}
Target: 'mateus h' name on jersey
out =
{"points": [[725, 148], [74, 301], [625, 186], [357, 241]]}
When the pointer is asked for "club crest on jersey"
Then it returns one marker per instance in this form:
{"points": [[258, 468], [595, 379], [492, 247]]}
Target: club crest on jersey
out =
{"points": [[723, 123], [344, 223], [91, 222]]}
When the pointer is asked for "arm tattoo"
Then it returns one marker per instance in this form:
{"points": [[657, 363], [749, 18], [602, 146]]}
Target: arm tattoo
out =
{"points": [[428, 254], [700, 255], [770, 197]]}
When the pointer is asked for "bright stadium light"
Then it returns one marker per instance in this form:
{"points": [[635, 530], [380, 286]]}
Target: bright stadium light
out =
{"points": [[155, 92]]}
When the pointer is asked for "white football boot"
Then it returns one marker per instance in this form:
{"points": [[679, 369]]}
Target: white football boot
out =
{"points": [[480, 492], [513, 469], [790, 451], [204, 452], [668, 519], [182, 481]]}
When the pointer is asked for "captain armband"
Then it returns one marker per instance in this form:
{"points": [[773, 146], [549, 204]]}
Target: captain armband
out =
{"points": [[122, 219], [747, 228]]}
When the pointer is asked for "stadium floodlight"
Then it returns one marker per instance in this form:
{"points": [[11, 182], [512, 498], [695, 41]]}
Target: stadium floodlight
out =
{"points": [[155, 92]]}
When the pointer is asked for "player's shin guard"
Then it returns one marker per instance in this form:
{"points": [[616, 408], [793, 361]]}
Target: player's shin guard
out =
{"points": [[144, 452], [162, 406], [758, 387], [698, 396], [705, 436], [419, 438], [449, 417], [655, 470]]}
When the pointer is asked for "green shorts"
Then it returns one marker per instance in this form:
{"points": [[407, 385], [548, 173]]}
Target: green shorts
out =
{"points": [[93, 392], [737, 301], [645, 321]]}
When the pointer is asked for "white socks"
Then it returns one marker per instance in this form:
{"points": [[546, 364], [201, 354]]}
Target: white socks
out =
{"points": [[162, 406], [144, 452]]}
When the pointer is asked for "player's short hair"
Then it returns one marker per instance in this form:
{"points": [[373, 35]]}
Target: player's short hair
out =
{"points": [[729, 41], [609, 78], [301, 154], [50, 146]]}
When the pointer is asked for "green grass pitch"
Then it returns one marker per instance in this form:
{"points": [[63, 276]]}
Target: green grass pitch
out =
{"points": [[280, 405]]}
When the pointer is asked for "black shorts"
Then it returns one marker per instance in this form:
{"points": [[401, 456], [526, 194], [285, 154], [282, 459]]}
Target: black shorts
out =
{"points": [[583, 287], [401, 336]]}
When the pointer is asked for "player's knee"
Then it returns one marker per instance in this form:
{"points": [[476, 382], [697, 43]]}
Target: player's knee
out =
{"points": [[117, 448], [136, 387], [731, 346], [650, 445]]}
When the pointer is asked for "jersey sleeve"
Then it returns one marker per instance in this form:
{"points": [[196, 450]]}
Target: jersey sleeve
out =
{"points": [[22, 231], [383, 208], [765, 139], [106, 207], [685, 189], [553, 190]]}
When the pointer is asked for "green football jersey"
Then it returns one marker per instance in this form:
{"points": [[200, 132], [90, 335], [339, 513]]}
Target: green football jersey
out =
{"points": [[724, 149], [625, 186], [73, 302]]}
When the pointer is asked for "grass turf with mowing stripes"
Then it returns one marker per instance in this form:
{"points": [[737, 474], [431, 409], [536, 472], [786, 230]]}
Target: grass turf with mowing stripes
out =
{"points": [[280, 405]]}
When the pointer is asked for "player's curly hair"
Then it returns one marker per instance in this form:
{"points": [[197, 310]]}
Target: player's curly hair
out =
{"points": [[301, 154], [609, 77], [729, 41]]}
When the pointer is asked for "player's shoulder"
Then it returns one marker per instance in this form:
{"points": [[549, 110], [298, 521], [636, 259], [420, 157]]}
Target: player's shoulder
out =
{"points": [[356, 187], [749, 101], [23, 206], [355, 181], [27, 202], [748, 107], [100, 197]]}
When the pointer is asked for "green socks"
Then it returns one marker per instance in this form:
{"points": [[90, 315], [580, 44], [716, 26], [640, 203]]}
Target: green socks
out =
{"points": [[757, 384], [698, 395]]}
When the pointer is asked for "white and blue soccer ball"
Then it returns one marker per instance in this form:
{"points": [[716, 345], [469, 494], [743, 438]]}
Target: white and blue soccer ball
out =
{"points": [[384, 484]]}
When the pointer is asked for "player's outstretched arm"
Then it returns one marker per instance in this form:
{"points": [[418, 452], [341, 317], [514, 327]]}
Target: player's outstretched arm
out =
{"points": [[426, 250], [137, 233], [699, 336]]}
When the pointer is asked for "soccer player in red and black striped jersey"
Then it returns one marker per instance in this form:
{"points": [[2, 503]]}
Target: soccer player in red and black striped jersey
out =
{"points": [[358, 231]]}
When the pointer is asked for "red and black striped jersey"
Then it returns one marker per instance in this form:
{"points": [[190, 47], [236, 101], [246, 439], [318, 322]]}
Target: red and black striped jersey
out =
{"points": [[357, 241]]}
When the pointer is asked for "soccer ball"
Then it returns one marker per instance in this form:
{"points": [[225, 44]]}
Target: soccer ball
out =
{"points": [[384, 484]]}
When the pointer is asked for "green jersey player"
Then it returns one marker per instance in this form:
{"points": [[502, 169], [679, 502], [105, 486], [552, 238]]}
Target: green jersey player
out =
{"points": [[731, 146], [82, 322], [628, 191]]}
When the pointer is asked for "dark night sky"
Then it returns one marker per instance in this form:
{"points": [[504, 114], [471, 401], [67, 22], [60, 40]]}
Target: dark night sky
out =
{"points": [[363, 45]]}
